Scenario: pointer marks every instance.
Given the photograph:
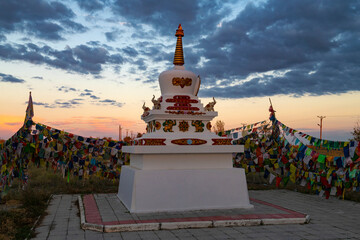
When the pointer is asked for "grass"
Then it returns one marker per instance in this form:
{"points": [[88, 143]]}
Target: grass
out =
{"points": [[22, 207]]}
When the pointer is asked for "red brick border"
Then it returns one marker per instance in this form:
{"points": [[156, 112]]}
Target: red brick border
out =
{"points": [[92, 215]]}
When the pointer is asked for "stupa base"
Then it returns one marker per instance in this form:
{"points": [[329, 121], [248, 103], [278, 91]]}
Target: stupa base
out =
{"points": [[162, 190]]}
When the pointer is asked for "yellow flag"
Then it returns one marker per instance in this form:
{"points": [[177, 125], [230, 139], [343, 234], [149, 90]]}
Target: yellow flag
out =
{"points": [[292, 169]]}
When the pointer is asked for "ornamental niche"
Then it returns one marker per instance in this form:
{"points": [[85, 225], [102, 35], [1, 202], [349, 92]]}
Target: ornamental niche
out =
{"points": [[182, 82], [168, 124], [199, 125], [183, 126]]}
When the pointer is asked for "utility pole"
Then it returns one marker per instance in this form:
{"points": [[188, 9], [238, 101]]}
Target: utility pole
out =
{"points": [[120, 133], [320, 125]]}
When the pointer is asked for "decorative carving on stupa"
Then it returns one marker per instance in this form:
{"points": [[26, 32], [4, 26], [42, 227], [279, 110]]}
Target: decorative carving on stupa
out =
{"points": [[182, 82], [146, 110], [210, 106], [156, 102]]}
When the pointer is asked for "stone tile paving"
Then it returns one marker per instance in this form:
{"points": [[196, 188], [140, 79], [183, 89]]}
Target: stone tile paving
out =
{"points": [[108, 210], [330, 219]]}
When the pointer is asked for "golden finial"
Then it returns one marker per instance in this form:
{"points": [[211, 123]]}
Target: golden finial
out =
{"points": [[179, 55]]}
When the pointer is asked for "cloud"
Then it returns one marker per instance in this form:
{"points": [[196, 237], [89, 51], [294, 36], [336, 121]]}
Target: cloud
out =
{"points": [[78, 101], [12, 123], [112, 36], [66, 89], [314, 46], [10, 78], [94, 97], [91, 5], [80, 59], [2, 37], [200, 16], [60, 103], [38, 77], [39, 18], [131, 52], [41, 104], [260, 49], [67, 104], [111, 102]]}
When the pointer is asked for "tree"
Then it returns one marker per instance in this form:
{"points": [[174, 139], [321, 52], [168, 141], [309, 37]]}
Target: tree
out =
{"points": [[219, 126], [356, 132]]}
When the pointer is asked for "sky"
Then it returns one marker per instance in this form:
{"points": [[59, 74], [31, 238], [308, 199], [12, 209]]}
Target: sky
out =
{"points": [[91, 64]]}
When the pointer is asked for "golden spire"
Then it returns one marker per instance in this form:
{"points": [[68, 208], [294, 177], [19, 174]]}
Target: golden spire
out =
{"points": [[179, 55]]}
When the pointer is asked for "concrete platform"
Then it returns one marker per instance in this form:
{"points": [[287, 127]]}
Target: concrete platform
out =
{"points": [[106, 213], [330, 219]]}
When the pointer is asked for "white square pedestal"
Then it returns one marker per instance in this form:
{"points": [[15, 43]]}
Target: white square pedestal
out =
{"points": [[156, 190]]}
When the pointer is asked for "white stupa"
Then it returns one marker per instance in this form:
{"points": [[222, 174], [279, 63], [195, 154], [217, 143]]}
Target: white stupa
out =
{"points": [[179, 164]]}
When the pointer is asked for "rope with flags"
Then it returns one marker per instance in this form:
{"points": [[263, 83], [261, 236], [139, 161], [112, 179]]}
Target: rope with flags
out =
{"points": [[61, 151], [327, 167], [281, 153]]}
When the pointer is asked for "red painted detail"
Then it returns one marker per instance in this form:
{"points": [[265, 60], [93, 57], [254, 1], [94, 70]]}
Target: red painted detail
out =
{"points": [[182, 102], [221, 141], [181, 99], [185, 112], [152, 141], [188, 141], [184, 108]]}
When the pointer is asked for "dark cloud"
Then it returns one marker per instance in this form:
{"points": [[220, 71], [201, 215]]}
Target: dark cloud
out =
{"points": [[2, 38], [94, 97], [99, 44], [73, 27], [107, 101], [155, 52], [140, 63], [40, 104], [131, 52], [112, 36], [91, 5], [313, 47], [199, 17], [39, 18], [45, 30], [38, 77], [81, 59], [67, 104], [66, 89], [152, 76], [87, 96], [111, 102], [10, 78], [60, 103]]}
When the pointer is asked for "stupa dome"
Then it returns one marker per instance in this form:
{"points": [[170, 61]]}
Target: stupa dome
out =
{"points": [[178, 80]]}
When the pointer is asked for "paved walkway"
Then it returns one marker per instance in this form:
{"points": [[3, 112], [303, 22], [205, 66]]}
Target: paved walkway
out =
{"points": [[330, 219], [106, 213]]}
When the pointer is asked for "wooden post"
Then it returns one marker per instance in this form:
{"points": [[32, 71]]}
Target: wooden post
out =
{"points": [[320, 125]]}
